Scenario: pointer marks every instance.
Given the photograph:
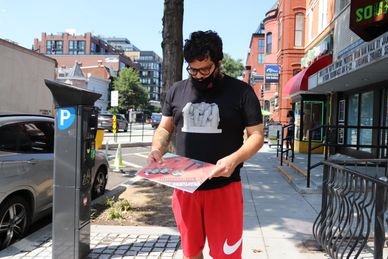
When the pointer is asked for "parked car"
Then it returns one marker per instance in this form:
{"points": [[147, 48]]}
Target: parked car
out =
{"points": [[26, 173], [105, 122], [155, 119]]}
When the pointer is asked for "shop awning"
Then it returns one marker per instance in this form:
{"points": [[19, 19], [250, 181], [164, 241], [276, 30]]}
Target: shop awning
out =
{"points": [[299, 82]]}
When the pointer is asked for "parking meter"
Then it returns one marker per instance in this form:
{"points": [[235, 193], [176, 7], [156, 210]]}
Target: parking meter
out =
{"points": [[74, 153]]}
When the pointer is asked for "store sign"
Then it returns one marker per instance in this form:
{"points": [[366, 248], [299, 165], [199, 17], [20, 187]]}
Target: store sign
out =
{"points": [[369, 18], [272, 73], [365, 54]]}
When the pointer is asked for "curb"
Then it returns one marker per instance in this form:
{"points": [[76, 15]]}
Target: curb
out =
{"points": [[116, 191]]}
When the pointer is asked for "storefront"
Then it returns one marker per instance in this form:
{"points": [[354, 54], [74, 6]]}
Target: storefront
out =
{"points": [[357, 84], [309, 108]]}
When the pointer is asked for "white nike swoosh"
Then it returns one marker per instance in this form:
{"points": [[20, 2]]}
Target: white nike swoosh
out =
{"points": [[231, 249]]}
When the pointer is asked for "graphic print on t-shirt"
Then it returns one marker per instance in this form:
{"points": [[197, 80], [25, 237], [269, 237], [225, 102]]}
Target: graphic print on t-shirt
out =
{"points": [[201, 118]]}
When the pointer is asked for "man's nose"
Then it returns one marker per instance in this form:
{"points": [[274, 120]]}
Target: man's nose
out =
{"points": [[198, 76]]}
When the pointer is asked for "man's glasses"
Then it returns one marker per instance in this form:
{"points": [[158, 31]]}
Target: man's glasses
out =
{"points": [[204, 71]]}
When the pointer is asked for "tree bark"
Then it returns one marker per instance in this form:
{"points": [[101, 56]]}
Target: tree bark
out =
{"points": [[172, 45]]}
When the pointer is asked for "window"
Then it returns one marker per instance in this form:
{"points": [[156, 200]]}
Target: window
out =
{"points": [[366, 119], [299, 24], [267, 105], [295, 71], [28, 137], [352, 108], [310, 21], [268, 49], [76, 47], [261, 45], [260, 58], [312, 117], [341, 4], [280, 35], [322, 15], [54, 47]]}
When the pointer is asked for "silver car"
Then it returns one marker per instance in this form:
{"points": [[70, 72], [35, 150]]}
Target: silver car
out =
{"points": [[26, 173], [105, 122]]}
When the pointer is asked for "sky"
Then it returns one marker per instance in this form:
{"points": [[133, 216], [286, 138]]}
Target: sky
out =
{"points": [[140, 21]]}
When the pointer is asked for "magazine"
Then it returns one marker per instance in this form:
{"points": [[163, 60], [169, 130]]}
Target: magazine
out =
{"points": [[179, 172]]}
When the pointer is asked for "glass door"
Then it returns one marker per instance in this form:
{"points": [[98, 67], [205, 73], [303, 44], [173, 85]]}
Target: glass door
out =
{"points": [[351, 136], [366, 119]]}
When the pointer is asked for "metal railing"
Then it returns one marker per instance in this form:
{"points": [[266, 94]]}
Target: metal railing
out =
{"points": [[330, 137], [136, 132], [354, 198], [288, 142]]}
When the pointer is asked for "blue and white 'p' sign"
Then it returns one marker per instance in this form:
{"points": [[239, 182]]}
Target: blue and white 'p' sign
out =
{"points": [[65, 117]]}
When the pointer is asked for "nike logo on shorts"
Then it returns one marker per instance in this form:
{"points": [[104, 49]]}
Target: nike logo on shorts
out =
{"points": [[230, 249]]}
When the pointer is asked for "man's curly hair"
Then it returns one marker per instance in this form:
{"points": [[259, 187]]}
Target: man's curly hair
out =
{"points": [[202, 45]]}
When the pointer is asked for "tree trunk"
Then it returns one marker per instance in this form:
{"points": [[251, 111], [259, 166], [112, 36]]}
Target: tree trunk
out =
{"points": [[172, 45]]}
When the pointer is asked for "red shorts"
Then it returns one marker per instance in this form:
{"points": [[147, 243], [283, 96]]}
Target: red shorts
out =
{"points": [[215, 214]]}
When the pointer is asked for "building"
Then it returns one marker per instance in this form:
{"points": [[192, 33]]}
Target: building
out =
{"points": [[150, 73], [93, 78], [22, 74], [271, 67], [309, 108], [357, 86], [290, 18], [121, 44], [87, 49], [150, 66], [254, 68]]}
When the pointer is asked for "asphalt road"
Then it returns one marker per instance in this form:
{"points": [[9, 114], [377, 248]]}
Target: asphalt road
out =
{"points": [[133, 159]]}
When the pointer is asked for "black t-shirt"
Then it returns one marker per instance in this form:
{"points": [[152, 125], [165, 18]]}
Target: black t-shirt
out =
{"points": [[210, 125]]}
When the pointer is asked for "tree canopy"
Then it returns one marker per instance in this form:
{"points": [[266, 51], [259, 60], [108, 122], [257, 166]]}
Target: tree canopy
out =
{"points": [[131, 93], [231, 67]]}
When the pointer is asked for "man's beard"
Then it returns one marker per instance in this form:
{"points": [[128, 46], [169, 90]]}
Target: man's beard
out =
{"points": [[208, 83]]}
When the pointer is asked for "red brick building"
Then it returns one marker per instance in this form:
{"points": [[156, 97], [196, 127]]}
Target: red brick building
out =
{"points": [[86, 49], [291, 19], [254, 69]]}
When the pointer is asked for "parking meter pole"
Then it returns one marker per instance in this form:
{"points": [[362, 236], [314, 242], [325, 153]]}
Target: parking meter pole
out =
{"points": [[74, 154]]}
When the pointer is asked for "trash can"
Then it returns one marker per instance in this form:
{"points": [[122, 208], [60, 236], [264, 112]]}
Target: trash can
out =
{"points": [[99, 138]]}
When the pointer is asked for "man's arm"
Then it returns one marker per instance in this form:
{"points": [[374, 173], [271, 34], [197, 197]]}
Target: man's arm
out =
{"points": [[252, 144], [161, 139]]}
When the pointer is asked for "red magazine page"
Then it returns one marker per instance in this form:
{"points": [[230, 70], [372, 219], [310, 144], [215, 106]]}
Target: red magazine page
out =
{"points": [[178, 172]]}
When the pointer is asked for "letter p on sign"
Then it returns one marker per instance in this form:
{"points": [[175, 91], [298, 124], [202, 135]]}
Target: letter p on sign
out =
{"points": [[65, 117]]}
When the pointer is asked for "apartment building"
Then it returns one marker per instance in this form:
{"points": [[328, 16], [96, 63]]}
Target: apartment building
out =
{"points": [[86, 49]]}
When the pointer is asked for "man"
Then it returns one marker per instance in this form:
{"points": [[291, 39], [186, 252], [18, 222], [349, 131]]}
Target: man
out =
{"points": [[210, 111]]}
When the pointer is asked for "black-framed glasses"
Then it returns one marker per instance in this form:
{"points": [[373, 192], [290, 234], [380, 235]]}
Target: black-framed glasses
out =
{"points": [[204, 70]]}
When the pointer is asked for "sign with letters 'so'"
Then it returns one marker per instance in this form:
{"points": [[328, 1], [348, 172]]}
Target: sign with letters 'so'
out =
{"points": [[65, 117]]}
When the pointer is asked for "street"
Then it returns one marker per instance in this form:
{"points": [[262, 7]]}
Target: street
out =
{"points": [[137, 133], [133, 159]]}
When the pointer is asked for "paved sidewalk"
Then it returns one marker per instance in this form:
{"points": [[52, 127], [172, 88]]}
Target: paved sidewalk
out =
{"points": [[277, 222]]}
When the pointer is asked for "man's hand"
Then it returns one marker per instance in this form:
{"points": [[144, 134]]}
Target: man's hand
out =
{"points": [[224, 167], [155, 156]]}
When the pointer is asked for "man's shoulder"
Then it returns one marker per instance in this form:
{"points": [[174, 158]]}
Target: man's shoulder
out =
{"points": [[237, 84], [179, 85]]}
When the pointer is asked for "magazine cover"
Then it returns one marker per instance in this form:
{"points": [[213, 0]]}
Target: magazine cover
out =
{"points": [[178, 172]]}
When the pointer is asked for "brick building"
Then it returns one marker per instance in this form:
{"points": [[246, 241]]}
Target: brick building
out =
{"points": [[86, 49]]}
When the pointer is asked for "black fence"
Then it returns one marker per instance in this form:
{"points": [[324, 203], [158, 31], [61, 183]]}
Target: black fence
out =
{"points": [[336, 136], [285, 144], [136, 132], [354, 199]]}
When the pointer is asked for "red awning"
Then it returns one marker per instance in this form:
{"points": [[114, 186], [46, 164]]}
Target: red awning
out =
{"points": [[299, 82]]}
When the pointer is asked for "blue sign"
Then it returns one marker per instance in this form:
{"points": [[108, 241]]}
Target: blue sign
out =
{"points": [[272, 73], [65, 117]]}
